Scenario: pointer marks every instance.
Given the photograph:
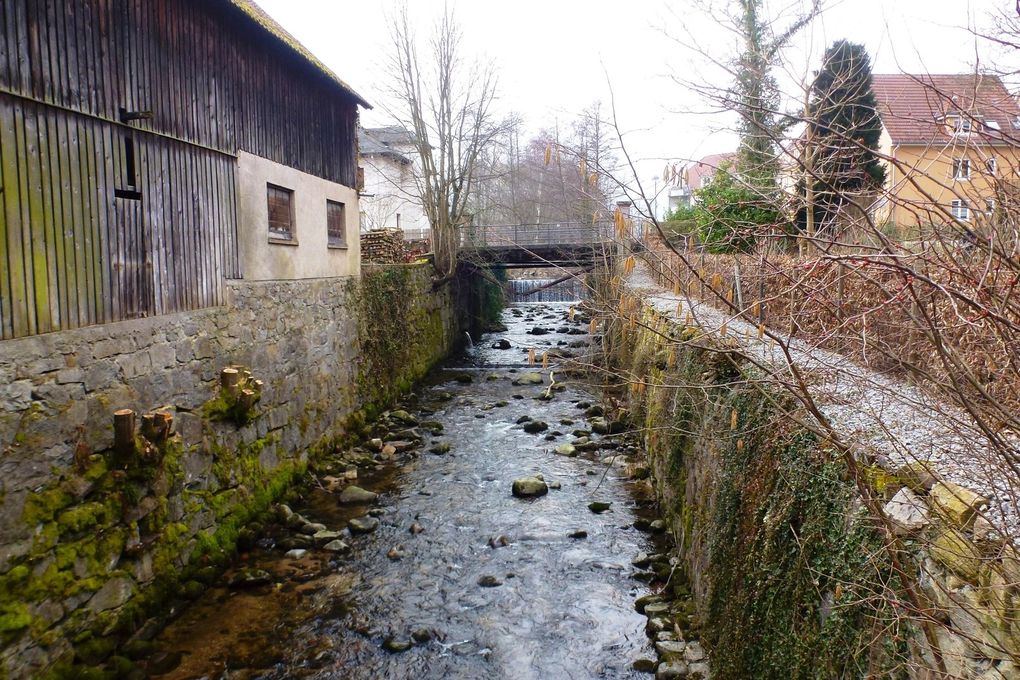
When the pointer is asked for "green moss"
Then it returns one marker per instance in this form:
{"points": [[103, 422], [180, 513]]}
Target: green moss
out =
{"points": [[42, 506], [14, 617]]}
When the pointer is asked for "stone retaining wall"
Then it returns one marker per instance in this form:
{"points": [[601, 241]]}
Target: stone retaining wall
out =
{"points": [[92, 539], [789, 571]]}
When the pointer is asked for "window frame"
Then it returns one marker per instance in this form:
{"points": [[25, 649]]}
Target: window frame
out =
{"points": [[989, 206], [276, 236], [992, 166], [330, 240], [960, 164], [960, 210]]}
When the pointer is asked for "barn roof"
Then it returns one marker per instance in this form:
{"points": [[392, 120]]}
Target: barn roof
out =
{"points": [[377, 142], [258, 16], [913, 108]]}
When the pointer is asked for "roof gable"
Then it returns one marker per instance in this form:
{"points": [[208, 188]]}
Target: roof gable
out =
{"points": [[913, 108]]}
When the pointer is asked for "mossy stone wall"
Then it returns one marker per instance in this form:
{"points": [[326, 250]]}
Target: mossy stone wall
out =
{"points": [[93, 540], [787, 571]]}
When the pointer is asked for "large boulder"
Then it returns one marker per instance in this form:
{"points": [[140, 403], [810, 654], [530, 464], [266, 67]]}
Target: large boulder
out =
{"points": [[355, 495], [529, 487]]}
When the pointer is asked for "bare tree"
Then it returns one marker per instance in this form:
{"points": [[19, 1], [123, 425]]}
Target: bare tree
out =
{"points": [[446, 102]]}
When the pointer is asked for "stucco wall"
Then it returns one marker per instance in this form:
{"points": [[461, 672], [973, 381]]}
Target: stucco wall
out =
{"points": [[923, 186], [389, 191], [310, 256]]}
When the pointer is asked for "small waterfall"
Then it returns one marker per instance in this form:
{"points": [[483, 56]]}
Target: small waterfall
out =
{"points": [[470, 342], [570, 290]]}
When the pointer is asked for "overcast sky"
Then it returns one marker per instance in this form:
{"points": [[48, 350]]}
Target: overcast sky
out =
{"points": [[555, 57]]}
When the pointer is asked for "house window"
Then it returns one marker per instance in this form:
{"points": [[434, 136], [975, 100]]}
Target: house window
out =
{"points": [[959, 124], [280, 201], [961, 168], [989, 206], [336, 225], [992, 165], [961, 211]]}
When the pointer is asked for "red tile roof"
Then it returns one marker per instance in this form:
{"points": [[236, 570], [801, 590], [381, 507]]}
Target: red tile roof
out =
{"points": [[913, 107], [706, 167]]}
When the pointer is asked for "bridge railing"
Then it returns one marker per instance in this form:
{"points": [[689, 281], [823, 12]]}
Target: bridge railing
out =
{"points": [[534, 235]]}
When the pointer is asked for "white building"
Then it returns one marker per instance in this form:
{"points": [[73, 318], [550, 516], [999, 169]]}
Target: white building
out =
{"points": [[390, 197]]}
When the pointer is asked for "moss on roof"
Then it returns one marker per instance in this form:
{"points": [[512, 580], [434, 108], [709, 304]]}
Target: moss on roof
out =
{"points": [[267, 23]]}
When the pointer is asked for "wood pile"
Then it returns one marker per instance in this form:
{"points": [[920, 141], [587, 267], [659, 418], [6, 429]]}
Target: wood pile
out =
{"points": [[382, 246]]}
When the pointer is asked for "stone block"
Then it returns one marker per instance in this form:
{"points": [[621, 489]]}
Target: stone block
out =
{"points": [[956, 504], [100, 376], [112, 347], [907, 512], [135, 364], [953, 551], [114, 593], [163, 356], [70, 375], [919, 476], [16, 396]]}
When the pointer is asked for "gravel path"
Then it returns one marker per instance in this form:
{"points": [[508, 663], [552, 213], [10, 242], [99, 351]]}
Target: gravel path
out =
{"points": [[888, 416]]}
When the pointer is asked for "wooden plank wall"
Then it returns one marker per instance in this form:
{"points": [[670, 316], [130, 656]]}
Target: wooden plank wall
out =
{"points": [[74, 254], [205, 72]]}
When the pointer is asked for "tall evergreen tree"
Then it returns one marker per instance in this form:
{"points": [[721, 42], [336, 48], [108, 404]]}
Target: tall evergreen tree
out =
{"points": [[843, 131]]}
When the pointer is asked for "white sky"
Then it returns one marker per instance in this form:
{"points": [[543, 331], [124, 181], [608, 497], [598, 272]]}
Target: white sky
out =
{"points": [[555, 57]]}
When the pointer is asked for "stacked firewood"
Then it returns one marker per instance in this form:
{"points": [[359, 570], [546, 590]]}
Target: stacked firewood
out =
{"points": [[382, 246]]}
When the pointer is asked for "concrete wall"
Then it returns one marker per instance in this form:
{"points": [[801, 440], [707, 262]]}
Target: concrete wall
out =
{"points": [[91, 539], [309, 255]]}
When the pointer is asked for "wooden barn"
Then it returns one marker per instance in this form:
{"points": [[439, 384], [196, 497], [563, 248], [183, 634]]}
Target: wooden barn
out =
{"points": [[151, 150]]}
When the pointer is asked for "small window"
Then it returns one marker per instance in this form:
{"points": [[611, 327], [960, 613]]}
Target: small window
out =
{"points": [[961, 211], [961, 168], [989, 206], [958, 124], [281, 213], [992, 165], [336, 225]]}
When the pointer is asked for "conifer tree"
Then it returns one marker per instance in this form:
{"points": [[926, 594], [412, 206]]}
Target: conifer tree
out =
{"points": [[843, 131]]}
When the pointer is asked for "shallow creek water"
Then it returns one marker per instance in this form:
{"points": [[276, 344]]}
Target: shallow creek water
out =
{"points": [[564, 607]]}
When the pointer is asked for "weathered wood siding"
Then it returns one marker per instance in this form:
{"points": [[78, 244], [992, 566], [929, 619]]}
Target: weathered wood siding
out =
{"points": [[74, 253]]}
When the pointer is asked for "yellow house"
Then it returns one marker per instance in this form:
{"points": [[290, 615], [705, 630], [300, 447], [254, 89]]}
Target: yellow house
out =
{"points": [[952, 141]]}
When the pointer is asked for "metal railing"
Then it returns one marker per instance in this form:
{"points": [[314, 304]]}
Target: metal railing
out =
{"points": [[534, 235]]}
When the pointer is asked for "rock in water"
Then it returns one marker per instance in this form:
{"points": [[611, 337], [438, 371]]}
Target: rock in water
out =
{"points": [[529, 487], [489, 582], [440, 448], [502, 343], [566, 450], [580, 533], [535, 426], [336, 546], [404, 417], [644, 665], [355, 495], [363, 525], [396, 645], [250, 578], [671, 670], [530, 378], [598, 507]]}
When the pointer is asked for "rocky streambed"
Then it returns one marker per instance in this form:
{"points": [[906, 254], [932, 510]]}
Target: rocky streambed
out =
{"points": [[497, 524]]}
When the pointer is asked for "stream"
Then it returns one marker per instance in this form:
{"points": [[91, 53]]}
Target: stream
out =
{"points": [[460, 579]]}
